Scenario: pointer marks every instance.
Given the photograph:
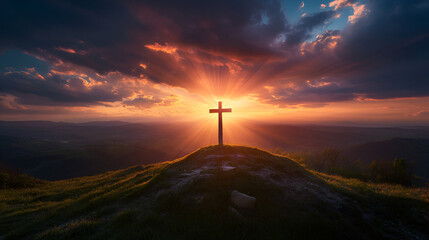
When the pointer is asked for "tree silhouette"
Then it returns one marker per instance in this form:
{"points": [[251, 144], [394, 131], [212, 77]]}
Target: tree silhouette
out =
{"points": [[330, 156]]}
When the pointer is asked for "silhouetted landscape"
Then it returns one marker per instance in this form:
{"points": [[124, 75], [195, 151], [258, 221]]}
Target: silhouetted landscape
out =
{"points": [[55, 150], [214, 120]]}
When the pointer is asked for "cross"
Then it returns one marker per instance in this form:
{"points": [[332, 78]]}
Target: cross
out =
{"points": [[220, 110]]}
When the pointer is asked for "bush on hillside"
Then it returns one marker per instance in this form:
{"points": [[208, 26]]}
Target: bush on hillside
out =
{"points": [[4, 179], [399, 171], [14, 179], [329, 160]]}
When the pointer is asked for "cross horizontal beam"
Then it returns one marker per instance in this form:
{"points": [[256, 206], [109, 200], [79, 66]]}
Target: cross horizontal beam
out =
{"points": [[220, 110]]}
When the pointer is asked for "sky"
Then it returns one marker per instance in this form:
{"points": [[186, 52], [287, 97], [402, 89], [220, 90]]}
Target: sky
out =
{"points": [[361, 62]]}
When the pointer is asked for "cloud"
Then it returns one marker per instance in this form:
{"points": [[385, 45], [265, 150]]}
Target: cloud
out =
{"points": [[311, 94], [220, 27], [159, 47], [144, 102], [306, 24], [381, 56], [214, 47], [9, 106], [359, 11], [338, 4], [8, 103], [421, 113], [384, 54], [69, 86], [72, 51], [56, 90]]}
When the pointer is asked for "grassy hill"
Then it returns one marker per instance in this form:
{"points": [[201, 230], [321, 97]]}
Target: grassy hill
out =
{"points": [[193, 198]]}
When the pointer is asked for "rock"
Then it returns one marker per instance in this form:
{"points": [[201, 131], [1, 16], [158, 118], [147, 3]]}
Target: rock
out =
{"points": [[198, 199], [235, 212], [242, 200], [204, 176], [214, 156], [227, 168], [237, 155]]}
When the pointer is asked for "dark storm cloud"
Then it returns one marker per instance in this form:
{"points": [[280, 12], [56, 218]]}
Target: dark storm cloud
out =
{"points": [[302, 31], [383, 54], [111, 35], [387, 51], [100, 28], [30, 89], [240, 28]]}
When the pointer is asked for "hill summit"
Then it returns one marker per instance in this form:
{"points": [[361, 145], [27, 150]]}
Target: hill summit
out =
{"points": [[229, 192]]}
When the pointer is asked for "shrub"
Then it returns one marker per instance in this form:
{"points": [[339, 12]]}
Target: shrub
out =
{"points": [[398, 171], [14, 179], [330, 158], [4, 179]]}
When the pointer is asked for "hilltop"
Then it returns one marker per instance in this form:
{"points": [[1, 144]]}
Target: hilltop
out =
{"points": [[229, 192]]}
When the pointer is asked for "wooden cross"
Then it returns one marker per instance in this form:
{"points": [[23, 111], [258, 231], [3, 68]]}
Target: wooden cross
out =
{"points": [[220, 110]]}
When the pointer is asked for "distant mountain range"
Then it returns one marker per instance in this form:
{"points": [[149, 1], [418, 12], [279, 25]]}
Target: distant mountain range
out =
{"points": [[56, 150]]}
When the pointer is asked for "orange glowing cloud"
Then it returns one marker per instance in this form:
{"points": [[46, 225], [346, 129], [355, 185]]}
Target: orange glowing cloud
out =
{"points": [[359, 10], [144, 66], [161, 48], [72, 51]]}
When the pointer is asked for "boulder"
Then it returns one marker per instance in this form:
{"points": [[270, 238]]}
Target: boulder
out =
{"points": [[226, 168], [242, 200], [235, 212]]}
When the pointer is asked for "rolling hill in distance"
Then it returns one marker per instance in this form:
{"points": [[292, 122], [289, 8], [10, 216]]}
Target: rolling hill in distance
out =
{"points": [[56, 150]]}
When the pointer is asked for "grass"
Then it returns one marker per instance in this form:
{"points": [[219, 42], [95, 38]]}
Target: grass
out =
{"points": [[59, 201], [73, 230], [384, 189], [14, 180], [144, 202]]}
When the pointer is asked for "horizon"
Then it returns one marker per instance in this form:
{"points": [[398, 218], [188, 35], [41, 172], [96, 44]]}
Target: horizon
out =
{"points": [[337, 62], [322, 124]]}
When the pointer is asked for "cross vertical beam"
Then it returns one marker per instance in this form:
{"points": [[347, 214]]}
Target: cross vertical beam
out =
{"points": [[220, 133], [219, 111]]}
